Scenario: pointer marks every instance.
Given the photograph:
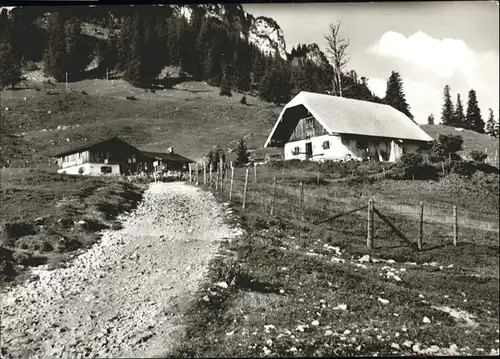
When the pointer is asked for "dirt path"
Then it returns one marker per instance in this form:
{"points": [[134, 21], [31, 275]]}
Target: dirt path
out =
{"points": [[125, 296]]}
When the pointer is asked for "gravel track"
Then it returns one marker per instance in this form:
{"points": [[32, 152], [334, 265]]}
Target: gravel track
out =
{"points": [[125, 296]]}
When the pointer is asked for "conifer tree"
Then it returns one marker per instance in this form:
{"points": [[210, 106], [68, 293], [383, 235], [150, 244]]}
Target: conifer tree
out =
{"points": [[395, 96], [133, 67], [77, 57], [55, 59], [430, 119], [126, 30], [447, 110], [4, 25], [458, 116], [10, 69], [225, 84], [473, 120], [242, 153], [490, 124]]}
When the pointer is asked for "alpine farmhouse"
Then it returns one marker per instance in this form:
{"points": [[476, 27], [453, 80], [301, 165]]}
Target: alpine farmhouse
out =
{"points": [[321, 127], [114, 156]]}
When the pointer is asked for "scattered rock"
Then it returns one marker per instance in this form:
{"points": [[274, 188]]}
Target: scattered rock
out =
{"points": [[222, 285], [408, 343], [395, 346], [426, 320], [383, 301]]}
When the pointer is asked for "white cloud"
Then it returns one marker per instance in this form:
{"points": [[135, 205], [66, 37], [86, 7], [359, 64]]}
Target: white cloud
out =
{"points": [[448, 60], [444, 57]]}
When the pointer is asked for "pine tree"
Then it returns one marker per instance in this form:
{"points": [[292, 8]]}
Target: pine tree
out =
{"points": [[430, 119], [458, 116], [447, 110], [55, 59], [267, 85], [490, 125], [259, 67], [395, 96], [225, 84], [242, 153], [10, 69], [4, 26], [133, 67], [77, 57], [126, 29], [473, 120]]}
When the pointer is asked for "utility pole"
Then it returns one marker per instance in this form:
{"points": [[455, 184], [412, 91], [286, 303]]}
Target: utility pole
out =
{"points": [[66, 81]]}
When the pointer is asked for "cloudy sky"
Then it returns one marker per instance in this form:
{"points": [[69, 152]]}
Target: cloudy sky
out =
{"points": [[430, 44]]}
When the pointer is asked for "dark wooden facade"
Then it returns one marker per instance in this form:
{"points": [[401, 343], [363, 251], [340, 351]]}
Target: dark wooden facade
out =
{"points": [[306, 128]]}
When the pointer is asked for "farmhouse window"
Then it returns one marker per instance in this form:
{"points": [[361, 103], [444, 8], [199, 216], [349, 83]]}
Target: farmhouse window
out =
{"points": [[309, 121], [295, 151], [105, 169], [326, 145]]}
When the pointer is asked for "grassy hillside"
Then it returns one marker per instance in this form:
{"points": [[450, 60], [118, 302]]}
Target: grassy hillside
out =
{"points": [[296, 288], [191, 117], [46, 217], [472, 140]]}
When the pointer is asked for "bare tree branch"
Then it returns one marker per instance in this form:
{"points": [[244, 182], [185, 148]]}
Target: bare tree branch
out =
{"points": [[336, 50]]}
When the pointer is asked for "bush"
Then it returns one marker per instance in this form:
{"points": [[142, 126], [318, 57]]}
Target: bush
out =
{"points": [[447, 145], [132, 98], [478, 156], [414, 166], [243, 100], [463, 168]]}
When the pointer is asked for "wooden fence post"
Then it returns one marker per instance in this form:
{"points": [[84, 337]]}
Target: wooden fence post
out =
{"points": [[221, 176], [455, 226], [317, 179], [274, 196], [190, 178], [197, 177], [245, 189], [254, 172], [204, 173], [217, 179], [421, 228], [232, 180], [282, 173], [301, 201], [210, 176], [369, 237]]}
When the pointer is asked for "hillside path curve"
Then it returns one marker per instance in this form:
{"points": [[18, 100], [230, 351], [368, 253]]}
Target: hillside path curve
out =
{"points": [[125, 296]]}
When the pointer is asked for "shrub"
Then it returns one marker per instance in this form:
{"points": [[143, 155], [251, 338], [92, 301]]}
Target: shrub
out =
{"points": [[413, 166], [243, 100], [463, 168], [447, 145], [132, 98], [478, 156]]}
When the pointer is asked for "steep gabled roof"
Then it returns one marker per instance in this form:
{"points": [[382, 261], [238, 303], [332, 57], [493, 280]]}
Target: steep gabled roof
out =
{"points": [[95, 143], [349, 116]]}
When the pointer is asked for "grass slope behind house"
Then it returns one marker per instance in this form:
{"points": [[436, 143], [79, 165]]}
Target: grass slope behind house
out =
{"points": [[297, 289], [192, 118], [472, 140], [46, 217]]}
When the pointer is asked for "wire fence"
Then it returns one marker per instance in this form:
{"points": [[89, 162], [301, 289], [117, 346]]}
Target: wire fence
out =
{"points": [[379, 222]]}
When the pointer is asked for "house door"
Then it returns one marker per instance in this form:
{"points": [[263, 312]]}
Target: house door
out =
{"points": [[309, 150]]}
